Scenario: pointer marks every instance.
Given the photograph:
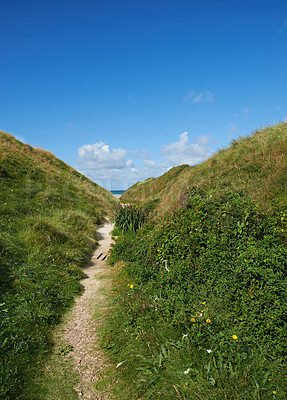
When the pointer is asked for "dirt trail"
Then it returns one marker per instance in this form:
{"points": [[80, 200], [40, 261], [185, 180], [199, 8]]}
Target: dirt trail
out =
{"points": [[81, 330]]}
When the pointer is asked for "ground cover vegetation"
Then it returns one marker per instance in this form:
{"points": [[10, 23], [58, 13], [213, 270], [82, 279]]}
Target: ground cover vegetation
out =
{"points": [[48, 217], [199, 303], [199, 307]]}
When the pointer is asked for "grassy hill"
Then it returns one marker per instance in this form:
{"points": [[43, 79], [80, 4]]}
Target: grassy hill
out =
{"points": [[199, 310], [48, 213], [256, 164]]}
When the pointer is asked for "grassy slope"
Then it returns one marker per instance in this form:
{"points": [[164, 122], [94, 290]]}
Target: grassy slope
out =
{"points": [[48, 213], [38, 172], [256, 163], [225, 286]]}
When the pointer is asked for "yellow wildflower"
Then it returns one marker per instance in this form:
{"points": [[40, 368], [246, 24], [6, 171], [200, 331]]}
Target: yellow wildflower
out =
{"points": [[204, 302], [208, 321], [274, 392], [192, 319], [131, 286], [234, 337]]}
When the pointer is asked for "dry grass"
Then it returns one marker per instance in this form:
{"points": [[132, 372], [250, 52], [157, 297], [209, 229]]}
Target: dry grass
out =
{"points": [[256, 164]]}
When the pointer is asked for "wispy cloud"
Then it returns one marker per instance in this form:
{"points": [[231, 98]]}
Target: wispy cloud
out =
{"points": [[70, 124], [281, 30], [183, 152], [242, 113], [199, 97], [232, 127]]}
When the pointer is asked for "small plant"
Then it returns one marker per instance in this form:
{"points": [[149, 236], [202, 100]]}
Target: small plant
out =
{"points": [[64, 349], [129, 218]]}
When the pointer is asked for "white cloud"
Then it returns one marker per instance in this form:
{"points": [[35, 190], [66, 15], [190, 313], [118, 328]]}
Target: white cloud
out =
{"points": [[182, 152], [99, 156], [199, 97], [70, 125], [108, 166], [125, 177]]}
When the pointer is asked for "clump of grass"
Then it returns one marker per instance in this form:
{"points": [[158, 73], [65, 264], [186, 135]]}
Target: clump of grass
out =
{"points": [[129, 218]]}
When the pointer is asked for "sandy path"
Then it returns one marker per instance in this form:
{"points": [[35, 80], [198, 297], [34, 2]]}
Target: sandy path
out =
{"points": [[80, 331]]}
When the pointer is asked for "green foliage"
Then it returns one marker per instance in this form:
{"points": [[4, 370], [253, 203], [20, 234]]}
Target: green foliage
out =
{"points": [[48, 213], [199, 310]]}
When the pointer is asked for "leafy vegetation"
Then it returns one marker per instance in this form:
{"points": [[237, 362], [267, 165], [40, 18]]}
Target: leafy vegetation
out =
{"points": [[48, 213], [199, 303], [129, 218]]}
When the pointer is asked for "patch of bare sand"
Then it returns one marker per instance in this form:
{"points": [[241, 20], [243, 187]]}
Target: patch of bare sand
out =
{"points": [[80, 331]]}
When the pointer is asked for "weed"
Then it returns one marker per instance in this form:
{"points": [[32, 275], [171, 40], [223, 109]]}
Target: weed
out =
{"points": [[64, 349]]}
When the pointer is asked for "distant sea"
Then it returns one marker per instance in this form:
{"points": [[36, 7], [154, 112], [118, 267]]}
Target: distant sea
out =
{"points": [[117, 193]]}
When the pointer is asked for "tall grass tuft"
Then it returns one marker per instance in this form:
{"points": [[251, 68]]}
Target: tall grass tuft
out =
{"points": [[130, 218]]}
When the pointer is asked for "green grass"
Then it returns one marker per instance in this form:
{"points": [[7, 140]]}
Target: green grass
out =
{"points": [[48, 217], [54, 377], [213, 269]]}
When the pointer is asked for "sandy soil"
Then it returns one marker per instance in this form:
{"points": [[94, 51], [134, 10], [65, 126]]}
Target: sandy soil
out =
{"points": [[80, 332]]}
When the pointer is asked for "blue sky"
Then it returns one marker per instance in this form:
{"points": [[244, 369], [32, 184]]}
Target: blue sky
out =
{"points": [[124, 90]]}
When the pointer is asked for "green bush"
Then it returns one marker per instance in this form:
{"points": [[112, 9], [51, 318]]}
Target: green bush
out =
{"points": [[200, 307]]}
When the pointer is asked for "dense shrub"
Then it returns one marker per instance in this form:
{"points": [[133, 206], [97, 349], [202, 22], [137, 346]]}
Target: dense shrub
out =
{"points": [[210, 276]]}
